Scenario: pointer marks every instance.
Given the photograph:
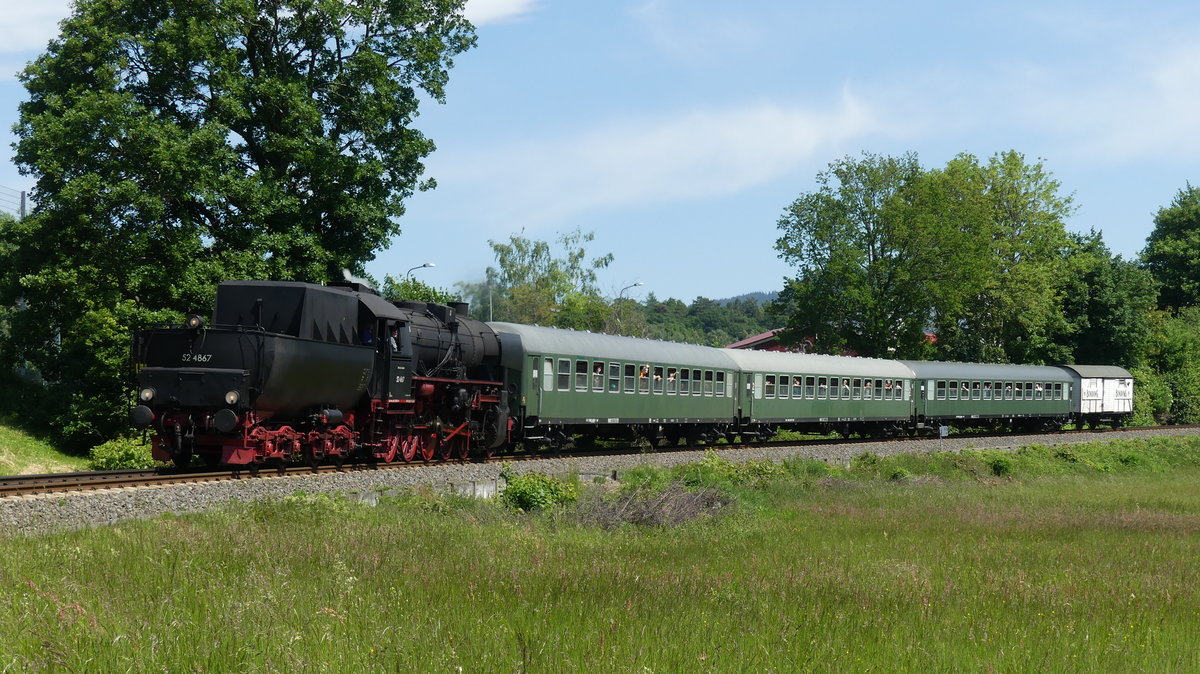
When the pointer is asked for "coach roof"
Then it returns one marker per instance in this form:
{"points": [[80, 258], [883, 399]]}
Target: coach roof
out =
{"points": [[537, 340], [808, 363], [933, 369], [1099, 371]]}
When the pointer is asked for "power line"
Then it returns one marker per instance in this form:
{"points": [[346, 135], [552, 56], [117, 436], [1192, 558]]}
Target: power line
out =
{"points": [[12, 200]]}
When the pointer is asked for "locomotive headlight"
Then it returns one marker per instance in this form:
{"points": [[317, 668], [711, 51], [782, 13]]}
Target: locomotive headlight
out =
{"points": [[195, 322], [232, 397], [146, 395]]}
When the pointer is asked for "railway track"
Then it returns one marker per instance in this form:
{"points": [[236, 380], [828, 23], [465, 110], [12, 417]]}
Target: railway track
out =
{"points": [[24, 485]]}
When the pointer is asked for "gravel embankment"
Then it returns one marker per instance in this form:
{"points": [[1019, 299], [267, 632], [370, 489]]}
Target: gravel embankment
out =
{"points": [[33, 514]]}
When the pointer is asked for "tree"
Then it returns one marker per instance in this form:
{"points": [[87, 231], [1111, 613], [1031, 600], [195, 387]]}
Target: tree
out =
{"points": [[409, 288], [179, 143], [876, 248], [533, 284], [1172, 250], [1107, 304], [1011, 311]]}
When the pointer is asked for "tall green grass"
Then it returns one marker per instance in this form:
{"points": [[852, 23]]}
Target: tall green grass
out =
{"points": [[22, 453], [1064, 562]]}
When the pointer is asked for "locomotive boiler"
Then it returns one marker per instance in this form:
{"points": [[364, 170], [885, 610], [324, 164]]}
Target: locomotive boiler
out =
{"points": [[292, 370]]}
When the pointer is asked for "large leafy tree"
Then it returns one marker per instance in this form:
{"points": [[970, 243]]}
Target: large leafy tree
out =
{"points": [[1013, 312], [1172, 251], [181, 142], [533, 282], [876, 247], [1107, 303]]}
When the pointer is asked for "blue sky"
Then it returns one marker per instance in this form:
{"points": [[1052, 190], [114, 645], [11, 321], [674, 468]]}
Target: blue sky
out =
{"points": [[678, 131]]}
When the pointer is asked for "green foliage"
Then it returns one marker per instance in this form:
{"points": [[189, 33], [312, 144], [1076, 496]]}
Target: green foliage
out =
{"points": [[178, 144], [885, 248], [1001, 466], [22, 452], [1151, 398], [409, 288], [1012, 311], [535, 491], [532, 283], [718, 472], [1107, 304], [1172, 252], [864, 283], [704, 321], [121, 454]]}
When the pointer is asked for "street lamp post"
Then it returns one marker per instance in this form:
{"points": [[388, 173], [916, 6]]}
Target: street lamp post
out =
{"points": [[408, 274], [621, 295]]}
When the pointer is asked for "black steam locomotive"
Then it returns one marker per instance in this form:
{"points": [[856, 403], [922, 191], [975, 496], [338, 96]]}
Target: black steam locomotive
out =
{"points": [[300, 371]]}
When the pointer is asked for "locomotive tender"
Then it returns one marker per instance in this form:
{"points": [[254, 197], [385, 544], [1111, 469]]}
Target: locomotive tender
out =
{"points": [[292, 370]]}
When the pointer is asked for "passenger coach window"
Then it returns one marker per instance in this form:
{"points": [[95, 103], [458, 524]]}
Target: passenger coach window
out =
{"points": [[685, 381], [644, 379], [658, 382], [952, 388], [941, 390], [695, 382], [1058, 391], [810, 387], [857, 389], [975, 391], [845, 389], [598, 377], [769, 387], [987, 390], [797, 387], [672, 380], [614, 377], [1019, 389], [581, 375], [823, 387], [564, 374], [708, 382], [1028, 390], [879, 389], [548, 374], [720, 384], [630, 377]]}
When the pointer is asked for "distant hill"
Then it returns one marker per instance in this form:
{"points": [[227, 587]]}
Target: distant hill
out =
{"points": [[758, 297]]}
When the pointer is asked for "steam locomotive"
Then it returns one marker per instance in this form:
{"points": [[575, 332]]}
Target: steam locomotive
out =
{"points": [[296, 371]]}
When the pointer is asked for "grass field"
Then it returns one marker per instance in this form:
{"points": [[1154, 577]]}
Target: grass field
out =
{"points": [[23, 454], [1079, 559]]}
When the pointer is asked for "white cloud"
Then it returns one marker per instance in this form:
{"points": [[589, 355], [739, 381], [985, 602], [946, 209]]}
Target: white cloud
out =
{"points": [[1152, 113], [483, 12], [28, 26], [696, 155]]}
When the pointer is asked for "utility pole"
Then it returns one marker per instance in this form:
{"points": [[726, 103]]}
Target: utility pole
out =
{"points": [[22, 204]]}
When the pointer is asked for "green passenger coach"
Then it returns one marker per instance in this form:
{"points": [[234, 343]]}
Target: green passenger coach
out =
{"points": [[807, 392], [566, 382], [966, 394]]}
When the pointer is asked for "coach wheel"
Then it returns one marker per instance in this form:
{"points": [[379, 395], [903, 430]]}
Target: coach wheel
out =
{"points": [[408, 447], [428, 445], [460, 446], [391, 445]]}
